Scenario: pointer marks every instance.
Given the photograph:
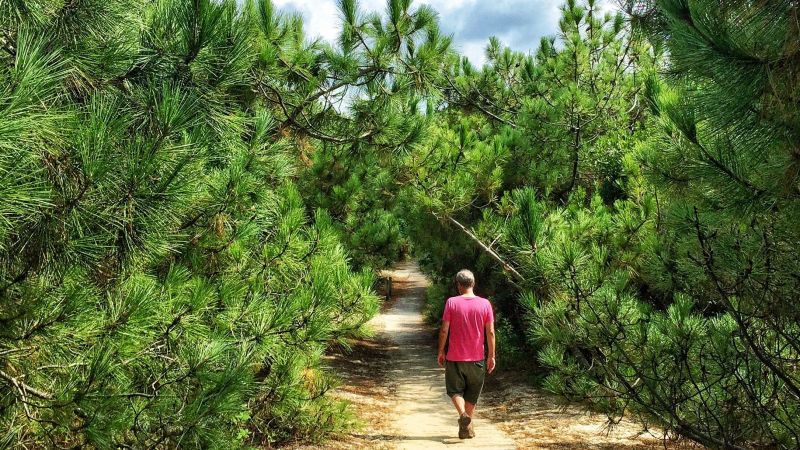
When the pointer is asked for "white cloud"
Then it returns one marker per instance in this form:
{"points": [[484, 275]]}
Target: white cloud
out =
{"points": [[321, 18], [517, 23], [474, 51]]}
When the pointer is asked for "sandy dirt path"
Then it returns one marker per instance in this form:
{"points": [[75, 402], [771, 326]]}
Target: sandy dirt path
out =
{"points": [[396, 391], [423, 415]]}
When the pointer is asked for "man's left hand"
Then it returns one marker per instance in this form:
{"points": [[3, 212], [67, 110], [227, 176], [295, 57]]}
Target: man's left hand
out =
{"points": [[440, 358], [490, 365]]}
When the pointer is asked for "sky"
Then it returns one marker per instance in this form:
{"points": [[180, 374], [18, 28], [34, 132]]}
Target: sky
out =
{"points": [[517, 23]]}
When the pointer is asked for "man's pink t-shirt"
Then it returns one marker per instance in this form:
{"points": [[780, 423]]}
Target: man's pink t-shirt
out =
{"points": [[467, 316]]}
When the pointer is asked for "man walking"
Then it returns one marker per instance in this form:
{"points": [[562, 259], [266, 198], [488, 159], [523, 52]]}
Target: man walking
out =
{"points": [[467, 320]]}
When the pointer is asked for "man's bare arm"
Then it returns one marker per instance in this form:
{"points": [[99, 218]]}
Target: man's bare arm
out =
{"points": [[442, 341], [490, 362]]}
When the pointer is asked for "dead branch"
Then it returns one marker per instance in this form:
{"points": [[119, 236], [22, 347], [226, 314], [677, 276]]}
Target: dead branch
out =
{"points": [[506, 266]]}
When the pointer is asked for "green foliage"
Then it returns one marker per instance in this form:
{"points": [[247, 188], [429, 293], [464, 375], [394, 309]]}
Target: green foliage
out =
{"points": [[164, 280], [435, 298], [523, 147], [358, 190], [194, 195], [365, 114]]}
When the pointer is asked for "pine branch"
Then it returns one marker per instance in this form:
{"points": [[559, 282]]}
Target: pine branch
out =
{"points": [[708, 262], [373, 71], [308, 128], [25, 387], [506, 266], [7, 44], [478, 105]]}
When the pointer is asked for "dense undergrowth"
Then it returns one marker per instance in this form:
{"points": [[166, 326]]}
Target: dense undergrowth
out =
{"points": [[195, 197]]}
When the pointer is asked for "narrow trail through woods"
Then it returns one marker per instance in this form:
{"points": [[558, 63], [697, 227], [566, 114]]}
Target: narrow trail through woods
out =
{"points": [[422, 415], [397, 389]]}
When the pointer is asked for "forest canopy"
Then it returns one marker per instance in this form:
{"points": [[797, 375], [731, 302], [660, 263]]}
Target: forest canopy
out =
{"points": [[195, 198]]}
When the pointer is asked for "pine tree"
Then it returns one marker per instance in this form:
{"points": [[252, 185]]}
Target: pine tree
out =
{"points": [[522, 135], [163, 283], [726, 164], [568, 104]]}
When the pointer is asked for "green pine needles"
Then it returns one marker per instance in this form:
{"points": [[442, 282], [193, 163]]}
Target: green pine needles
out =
{"points": [[163, 282], [194, 196]]}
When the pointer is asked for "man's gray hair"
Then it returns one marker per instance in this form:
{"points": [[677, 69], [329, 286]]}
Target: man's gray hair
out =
{"points": [[465, 278]]}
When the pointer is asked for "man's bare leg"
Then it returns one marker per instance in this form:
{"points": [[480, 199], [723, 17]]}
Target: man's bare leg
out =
{"points": [[469, 408], [464, 420], [458, 402]]}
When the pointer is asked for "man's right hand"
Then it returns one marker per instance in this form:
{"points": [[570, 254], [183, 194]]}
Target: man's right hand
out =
{"points": [[440, 358], [490, 363]]}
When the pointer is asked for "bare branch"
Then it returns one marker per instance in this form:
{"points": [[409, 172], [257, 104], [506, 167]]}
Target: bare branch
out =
{"points": [[26, 388], [506, 266]]}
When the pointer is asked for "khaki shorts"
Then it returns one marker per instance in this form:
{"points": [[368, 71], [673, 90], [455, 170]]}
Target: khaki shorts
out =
{"points": [[464, 378]]}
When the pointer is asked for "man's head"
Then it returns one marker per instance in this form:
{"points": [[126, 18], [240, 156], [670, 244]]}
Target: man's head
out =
{"points": [[465, 280]]}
